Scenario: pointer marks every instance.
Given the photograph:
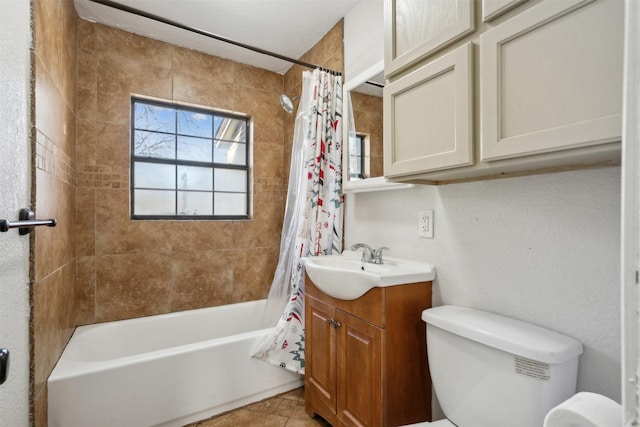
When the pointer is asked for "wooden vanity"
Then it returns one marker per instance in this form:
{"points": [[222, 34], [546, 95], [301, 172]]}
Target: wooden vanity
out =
{"points": [[366, 359]]}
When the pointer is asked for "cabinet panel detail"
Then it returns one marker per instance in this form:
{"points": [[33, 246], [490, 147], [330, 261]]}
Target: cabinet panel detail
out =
{"points": [[321, 366], [428, 116], [360, 370], [493, 8], [415, 29], [551, 79]]}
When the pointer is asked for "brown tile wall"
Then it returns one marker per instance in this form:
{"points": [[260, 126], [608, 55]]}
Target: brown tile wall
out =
{"points": [[367, 111], [54, 268], [131, 268]]}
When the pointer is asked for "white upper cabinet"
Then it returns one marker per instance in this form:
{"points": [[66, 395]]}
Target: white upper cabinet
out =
{"points": [[414, 29], [551, 79], [428, 116], [549, 92]]}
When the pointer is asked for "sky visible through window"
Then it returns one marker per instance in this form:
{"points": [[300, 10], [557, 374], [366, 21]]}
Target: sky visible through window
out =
{"points": [[188, 162]]}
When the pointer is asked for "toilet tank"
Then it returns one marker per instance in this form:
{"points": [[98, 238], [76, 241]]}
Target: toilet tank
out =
{"points": [[493, 371]]}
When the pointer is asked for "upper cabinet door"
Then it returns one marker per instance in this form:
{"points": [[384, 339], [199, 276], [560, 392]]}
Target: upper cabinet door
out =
{"points": [[550, 79], [428, 116], [415, 29]]}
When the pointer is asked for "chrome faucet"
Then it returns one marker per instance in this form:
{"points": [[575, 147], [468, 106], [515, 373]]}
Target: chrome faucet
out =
{"points": [[376, 256], [370, 255], [367, 252]]}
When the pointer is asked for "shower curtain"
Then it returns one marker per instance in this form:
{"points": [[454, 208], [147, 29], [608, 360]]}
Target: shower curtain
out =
{"points": [[313, 215]]}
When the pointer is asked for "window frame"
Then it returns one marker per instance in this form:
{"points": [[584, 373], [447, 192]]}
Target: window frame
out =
{"points": [[361, 139], [179, 162]]}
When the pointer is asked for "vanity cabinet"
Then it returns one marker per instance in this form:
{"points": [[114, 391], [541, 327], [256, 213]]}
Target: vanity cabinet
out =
{"points": [[366, 360], [548, 95]]}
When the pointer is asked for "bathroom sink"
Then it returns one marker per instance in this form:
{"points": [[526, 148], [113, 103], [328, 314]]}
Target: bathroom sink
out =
{"points": [[345, 276]]}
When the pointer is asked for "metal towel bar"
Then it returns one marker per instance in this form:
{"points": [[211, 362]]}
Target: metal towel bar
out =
{"points": [[27, 221]]}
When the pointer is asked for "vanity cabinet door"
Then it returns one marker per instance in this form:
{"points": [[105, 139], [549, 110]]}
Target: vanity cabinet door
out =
{"points": [[428, 117], [320, 369], [360, 372], [415, 29], [550, 79]]}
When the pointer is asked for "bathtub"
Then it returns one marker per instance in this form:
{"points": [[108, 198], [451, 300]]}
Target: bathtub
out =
{"points": [[164, 370]]}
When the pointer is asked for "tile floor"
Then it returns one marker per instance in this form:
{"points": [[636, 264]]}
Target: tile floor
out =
{"points": [[285, 410]]}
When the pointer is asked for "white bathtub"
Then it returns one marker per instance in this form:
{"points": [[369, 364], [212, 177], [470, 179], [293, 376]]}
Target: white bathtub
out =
{"points": [[164, 370]]}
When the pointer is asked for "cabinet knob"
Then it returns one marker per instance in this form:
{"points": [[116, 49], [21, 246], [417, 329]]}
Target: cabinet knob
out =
{"points": [[334, 323]]}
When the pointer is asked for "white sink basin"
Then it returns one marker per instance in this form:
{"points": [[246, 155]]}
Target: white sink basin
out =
{"points": [[346, 277]]}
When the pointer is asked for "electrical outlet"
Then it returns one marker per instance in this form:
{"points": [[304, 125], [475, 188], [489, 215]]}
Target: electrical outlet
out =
{"points": [[425, 224]]}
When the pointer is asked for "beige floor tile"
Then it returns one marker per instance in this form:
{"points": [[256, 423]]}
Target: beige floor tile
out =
{"points": [[245, 418], [297, 394], [285, 410]]}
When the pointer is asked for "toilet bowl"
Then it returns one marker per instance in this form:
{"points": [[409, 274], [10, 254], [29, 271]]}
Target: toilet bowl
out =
{"points": [[583, 409]]}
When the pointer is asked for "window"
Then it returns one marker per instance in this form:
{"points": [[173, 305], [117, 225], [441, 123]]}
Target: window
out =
{"points": [[357, 157], [188, 163]]}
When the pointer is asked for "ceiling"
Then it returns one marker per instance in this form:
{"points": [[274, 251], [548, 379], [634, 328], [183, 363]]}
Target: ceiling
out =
{"points": [[286, 27]]}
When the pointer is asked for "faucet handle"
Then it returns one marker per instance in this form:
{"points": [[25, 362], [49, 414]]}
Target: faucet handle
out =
{"points": [[377, 254]]}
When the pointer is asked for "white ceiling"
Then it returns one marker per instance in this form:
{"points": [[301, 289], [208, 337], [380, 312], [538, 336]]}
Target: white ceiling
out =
{"points": [[286, 27]]}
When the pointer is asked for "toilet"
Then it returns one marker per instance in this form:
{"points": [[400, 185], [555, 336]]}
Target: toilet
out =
{"points": [[493, 371]]}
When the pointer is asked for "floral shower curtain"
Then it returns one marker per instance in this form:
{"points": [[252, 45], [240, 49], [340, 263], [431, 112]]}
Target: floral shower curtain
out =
{"points": [[313, 215]]}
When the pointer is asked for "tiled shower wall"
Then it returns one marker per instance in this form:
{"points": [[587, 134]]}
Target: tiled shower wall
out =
{"points": [[53, 249], [131, 268]]}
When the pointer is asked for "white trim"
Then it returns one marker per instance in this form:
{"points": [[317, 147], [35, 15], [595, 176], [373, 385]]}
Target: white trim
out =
{"points": [[374, 184], [15, 173], [491, 9], [630, 246], [362, 77], [368, 184]]}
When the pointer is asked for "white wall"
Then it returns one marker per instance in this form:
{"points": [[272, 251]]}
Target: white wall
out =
{"points": [[363, 37], [14, 178], [544, 249]]}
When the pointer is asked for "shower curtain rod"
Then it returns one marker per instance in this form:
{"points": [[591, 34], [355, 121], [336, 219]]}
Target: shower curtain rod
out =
{"points": [[138, 12]]}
